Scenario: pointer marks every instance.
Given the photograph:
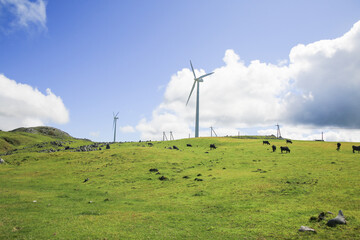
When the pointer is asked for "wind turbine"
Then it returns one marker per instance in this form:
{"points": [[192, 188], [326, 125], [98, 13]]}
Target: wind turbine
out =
{"points": [[196, 81], [114, 124]]}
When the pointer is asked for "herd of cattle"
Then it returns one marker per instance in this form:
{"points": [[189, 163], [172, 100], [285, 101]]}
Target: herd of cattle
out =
{"points": [[282, 149], [287, 150]]}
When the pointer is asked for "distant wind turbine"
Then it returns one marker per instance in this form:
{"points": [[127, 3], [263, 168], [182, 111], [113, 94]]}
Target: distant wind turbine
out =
{"points": [[196, 81], [114, 124]]}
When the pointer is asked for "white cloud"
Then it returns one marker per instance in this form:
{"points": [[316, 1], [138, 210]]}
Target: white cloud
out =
{"points": [[127, 129], [25, 13], [317, 87], [94, 134], [327, 80], [23, 106], [305, 132], [225, 97]]}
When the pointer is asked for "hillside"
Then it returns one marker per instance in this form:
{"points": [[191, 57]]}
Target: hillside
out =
{"points": [[240, 190], [45, 131], [26, 137]]}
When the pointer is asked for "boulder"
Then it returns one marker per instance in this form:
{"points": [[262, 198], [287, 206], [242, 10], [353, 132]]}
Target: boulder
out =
{"points": [[340, 219], [306, 229], [2, 161], [162, 178]]}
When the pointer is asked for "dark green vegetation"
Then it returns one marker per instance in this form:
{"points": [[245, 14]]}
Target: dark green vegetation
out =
{"points": [[242, 190]]}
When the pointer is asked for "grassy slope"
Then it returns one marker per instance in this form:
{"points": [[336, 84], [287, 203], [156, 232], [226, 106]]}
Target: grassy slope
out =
{"points": [[246, 191], [10, 140], [21, 137]]}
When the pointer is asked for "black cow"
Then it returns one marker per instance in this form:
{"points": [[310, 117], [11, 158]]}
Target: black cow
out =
{"points": [[212, 146], [338, 146], [175, 147], [266, 142], [150, 144], [188, 145], [286, 149], [273, 148], [288, 141], [356, 148]]}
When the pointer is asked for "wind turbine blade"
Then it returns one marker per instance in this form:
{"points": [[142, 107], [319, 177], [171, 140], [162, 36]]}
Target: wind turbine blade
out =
{"points": [[205, 75], [192, 68], [117, 114], [192, 89]]}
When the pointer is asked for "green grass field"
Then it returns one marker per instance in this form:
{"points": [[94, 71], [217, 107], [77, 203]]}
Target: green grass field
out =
{"points": [[245, 191]]}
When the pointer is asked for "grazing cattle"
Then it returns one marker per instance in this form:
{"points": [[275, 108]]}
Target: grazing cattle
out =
{"points": [[175, 147], [356, 148], [288, 141], [87, 179], [150, 144], [286, 149], [212, 146], [338, 146], [273, 148], [107, 146], [266, 142], [188, 145]]}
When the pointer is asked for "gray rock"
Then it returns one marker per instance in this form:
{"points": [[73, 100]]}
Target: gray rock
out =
{"points": [[2, 161], [340, 219], [306, 229]]}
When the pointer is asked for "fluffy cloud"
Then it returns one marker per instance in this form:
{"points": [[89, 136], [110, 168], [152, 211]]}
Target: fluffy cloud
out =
{"points": [[316, 87], [23, 106], [127, 129], [24, 13], [326, 82]]}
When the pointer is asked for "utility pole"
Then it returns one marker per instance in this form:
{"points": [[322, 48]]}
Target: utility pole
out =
{"points": [[171, 136], [278, 134], [212, 131], [164, 137]]}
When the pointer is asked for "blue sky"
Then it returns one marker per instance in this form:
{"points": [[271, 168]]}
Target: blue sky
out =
{"points": [[106, 56]]}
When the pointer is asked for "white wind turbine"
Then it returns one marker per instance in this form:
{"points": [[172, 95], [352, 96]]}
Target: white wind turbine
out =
{"points": [[196, 81], [114, 124]]}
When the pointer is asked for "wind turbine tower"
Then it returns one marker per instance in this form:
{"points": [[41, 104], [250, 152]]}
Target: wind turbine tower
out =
{"points": [[114, 124], [197, 82]]}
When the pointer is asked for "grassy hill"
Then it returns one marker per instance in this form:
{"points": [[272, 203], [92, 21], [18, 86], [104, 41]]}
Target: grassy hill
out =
{"points": [[241, 190], [21, 137]]}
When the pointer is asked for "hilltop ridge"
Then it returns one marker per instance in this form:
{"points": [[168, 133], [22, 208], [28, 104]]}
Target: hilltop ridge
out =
{"points": [[44, 130]]}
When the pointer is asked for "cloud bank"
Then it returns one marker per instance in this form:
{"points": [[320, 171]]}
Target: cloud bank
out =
{"points": [[23, 106], [317, 87], [23, 13]]}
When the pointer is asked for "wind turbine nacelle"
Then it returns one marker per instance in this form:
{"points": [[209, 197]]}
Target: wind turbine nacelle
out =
{"points": [[200, 80]]}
